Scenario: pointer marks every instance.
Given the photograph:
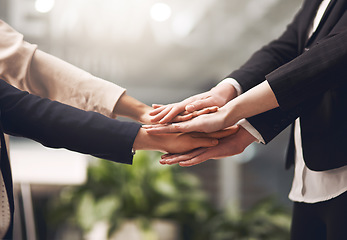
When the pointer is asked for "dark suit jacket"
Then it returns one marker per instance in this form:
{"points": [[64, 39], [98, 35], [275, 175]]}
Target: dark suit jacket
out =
{"points": [[58, 125], [309, 79]]}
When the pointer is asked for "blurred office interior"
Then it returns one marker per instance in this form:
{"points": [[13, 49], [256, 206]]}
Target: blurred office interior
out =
{"points": [[162, 51]]}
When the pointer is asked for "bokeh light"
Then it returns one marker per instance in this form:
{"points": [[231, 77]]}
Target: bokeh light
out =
{"points": [[160, 12], [44, 6]]}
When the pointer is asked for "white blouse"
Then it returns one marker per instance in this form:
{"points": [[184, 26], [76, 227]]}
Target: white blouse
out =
{"points": [[311, 186]]}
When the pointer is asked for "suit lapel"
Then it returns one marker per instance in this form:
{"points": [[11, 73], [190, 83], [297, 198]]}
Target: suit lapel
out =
{"points": [[322, 21], [310, 10], [334, 11]]}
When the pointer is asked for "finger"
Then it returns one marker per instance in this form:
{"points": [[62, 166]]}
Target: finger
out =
{"points": [[164, 157], [182, 118], [147, 126], [167, 155], [156, 110], [193, 125], [210, 153], [175, 158], [199, 104], [205, 111], [194, 161], [162, 129], [170, 158], [174, 111], [161, 114], [155, 105]]}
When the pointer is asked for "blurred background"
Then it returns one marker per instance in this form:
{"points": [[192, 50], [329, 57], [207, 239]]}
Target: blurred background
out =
{"points": [[162, 51]]}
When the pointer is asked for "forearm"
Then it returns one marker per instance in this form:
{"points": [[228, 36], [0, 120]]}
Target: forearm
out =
{"points": [[58, 125], [42, 74], [145, 141], [255, 101], [317, 70], [130, 107], [58, 80], [225, 90]]}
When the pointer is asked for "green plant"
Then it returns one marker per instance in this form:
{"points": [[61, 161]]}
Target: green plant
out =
{"points": [[143, 191], [147, 191], [267, 220]]}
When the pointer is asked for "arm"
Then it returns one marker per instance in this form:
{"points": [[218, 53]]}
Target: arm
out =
{"points": [[27, 68], [57, 125], [172, 143], [130, 107], [252, 73], [272, 55], [295, 76], [317, 70], [257, 100]]}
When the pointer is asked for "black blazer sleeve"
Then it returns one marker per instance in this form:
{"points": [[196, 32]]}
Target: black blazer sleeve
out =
{"points": [[269, 57], [297, 78], [312, 73], [57, 125], [273, 122]]}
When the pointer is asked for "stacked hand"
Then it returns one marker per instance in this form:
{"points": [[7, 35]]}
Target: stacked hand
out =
{"points": [[194, 106], [202, 113], [237, 140]]}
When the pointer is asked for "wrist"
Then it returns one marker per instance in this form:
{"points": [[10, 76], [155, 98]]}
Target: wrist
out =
{"points": [[143, 114], [247, 137], [231, 113], [226, 90], [145, 141], [130, 107]]}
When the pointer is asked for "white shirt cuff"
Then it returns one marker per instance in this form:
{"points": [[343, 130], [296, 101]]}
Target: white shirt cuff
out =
{"points": [[235, 84], [249, 128]]}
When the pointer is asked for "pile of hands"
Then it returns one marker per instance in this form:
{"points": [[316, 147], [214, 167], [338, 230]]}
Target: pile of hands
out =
{"points": [[197, 119]]}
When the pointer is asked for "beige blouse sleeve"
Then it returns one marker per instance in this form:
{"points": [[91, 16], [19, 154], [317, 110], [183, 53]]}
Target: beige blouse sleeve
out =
{"points": [[27, 68]]}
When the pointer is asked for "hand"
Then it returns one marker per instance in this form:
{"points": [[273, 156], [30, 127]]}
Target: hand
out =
{"points": [[185, 116], [143, 115], [219, 134], [173, 143], [217, 96], [204, 123], [228, 146]]}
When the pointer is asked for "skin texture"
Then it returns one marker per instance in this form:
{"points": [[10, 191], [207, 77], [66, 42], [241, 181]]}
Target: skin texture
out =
{"points": [[178, 143], [130, 107], [232, 144], [217, 96], [257, 100]]}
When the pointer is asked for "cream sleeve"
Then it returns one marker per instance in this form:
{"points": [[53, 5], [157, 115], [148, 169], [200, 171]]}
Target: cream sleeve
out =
{"points": [[27, 68]]}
